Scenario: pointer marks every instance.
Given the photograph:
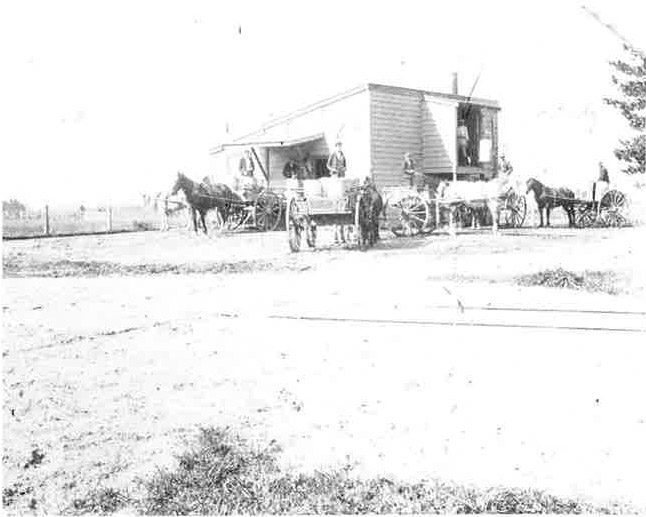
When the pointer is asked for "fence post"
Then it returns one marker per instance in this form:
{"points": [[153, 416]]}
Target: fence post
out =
{"points": [[109, 211], [46, 219]]}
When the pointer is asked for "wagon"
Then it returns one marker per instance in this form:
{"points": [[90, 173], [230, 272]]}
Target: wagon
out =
{"points": [[602, 206], [411, 212], [262, 211], [305, 212]]}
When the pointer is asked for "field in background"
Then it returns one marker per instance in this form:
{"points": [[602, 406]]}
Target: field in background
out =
{"points": [[115, 219]]}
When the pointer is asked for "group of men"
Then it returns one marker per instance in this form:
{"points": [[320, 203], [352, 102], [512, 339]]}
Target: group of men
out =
{"points": [[303, 168]]}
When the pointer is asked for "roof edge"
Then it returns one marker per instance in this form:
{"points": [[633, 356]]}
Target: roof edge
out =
{"points": [[299, 112], [413, 91], [349, 93]]}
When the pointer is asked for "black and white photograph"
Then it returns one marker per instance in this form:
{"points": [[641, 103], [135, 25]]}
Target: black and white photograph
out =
{"points": [[341, 257]]}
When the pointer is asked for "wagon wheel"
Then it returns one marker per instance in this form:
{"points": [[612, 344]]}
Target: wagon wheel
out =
{"points": [[613, 208], [293, 222], [412, 215], [267, 209], [517, 210], [585, 216]]}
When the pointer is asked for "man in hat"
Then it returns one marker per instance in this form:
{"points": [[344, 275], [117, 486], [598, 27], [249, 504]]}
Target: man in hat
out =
{"points": [[246, 167], [336, 163], [409, 170]]}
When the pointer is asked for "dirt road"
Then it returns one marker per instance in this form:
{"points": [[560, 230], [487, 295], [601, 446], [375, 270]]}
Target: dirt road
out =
{"points": [[404, 365]]}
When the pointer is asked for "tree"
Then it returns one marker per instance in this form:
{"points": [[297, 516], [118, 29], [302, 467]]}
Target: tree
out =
{"points": [[632, 105]]}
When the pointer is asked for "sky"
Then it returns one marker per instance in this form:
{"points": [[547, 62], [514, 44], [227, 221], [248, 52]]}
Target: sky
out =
{"points": [[104, 101]]}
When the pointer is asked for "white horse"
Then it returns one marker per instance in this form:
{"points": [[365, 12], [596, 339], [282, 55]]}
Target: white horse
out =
{"points": [[485, 194]]}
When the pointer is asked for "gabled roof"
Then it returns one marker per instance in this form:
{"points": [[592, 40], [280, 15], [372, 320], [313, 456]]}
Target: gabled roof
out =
{"points": [[258, 133]]}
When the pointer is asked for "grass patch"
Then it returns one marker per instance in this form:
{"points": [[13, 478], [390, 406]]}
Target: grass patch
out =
{"points": [[93, 268], [221, 474], [100, 501], [592, 281]]}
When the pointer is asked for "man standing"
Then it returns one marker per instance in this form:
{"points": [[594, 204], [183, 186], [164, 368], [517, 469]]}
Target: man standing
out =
{"points": [[409, 170], [246, 166], [463, 143], [336, 163]]}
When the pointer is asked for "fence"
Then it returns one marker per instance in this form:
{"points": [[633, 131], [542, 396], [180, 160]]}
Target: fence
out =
{"points": [[60, 222]]}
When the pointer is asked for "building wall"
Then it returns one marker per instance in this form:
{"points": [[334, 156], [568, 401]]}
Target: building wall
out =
{"points": [[395, 129], [439, 135]]}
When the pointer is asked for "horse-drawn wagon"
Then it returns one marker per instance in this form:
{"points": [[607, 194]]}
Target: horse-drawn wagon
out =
{"points": [[261, 209], [346, 204], [600, 205], [603, 206], [410, 211]]}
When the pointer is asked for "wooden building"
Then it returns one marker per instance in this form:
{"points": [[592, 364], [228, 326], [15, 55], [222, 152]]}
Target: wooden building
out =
{"points": [[376, 124]]}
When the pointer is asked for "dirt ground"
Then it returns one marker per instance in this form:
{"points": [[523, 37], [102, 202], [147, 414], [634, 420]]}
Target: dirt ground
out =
{"points": [[419, 359]]}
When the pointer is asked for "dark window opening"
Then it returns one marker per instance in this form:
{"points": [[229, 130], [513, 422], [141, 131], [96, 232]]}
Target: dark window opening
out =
{"points": [[468, 135]]}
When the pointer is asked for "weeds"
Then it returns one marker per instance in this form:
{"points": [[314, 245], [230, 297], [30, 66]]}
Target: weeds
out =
{"points": [[223, 475], [593, 281]]}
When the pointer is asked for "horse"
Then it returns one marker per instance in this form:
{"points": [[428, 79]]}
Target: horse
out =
{"points": [[202, 198], [371, 206], [548, 198], [479, 196]]}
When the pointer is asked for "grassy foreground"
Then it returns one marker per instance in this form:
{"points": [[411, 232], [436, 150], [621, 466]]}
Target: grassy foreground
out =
{"points": [[223, 475]]}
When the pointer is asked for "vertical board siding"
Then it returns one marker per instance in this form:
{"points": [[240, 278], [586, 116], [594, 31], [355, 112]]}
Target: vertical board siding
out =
{"points": [[395, 129], [439, 136]]}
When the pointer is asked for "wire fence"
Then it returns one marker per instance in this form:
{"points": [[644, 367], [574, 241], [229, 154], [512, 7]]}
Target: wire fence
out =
{"points": [[48, 221]]}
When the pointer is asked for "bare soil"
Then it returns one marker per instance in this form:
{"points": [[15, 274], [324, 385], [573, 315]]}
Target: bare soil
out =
{"points": [[418, 359]]}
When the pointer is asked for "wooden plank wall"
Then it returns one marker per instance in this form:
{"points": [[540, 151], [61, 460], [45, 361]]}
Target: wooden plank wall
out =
{"points": [[395, 129], [439, 136]]}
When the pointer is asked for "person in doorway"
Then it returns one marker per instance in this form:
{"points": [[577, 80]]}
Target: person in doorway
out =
{"points": [[337, 163], [463, 143]]}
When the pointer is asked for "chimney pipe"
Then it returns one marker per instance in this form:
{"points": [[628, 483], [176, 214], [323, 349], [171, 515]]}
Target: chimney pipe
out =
{"points": [[455, 83]]}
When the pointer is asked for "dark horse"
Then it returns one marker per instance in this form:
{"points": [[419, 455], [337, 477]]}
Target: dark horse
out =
{"points": [[371, 206], [548, 198], [201, 198]]}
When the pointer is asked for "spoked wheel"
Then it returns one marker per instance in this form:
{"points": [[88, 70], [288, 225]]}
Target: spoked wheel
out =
{"points": [[268, 209], [614, 208], [411, 215], [585, 216], [294, 224], [516, 206]]}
